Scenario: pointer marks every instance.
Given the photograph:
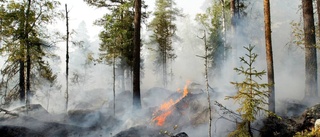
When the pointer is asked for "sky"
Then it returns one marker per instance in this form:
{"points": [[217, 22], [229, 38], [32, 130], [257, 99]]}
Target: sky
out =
{"points": [[80, 11]]}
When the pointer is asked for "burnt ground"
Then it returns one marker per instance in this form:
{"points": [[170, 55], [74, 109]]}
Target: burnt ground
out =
{"points": [[190, 111]]}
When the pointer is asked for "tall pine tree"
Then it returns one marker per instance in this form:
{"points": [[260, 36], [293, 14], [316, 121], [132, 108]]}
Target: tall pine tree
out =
{"points": [[164, 30]]}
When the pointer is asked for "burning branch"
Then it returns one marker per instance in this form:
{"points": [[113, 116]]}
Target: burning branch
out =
{"points": [[166, 108]]}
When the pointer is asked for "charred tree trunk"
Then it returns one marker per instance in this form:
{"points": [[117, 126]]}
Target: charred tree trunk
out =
{"points": [[21, 75], [67, 59], [136, 56], [114, 81], [165, 65], [28, 55], [270, 70], [311, 87]]}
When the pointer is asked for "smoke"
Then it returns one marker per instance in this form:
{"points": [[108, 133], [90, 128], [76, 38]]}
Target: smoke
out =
{"points": [[92, 85]]}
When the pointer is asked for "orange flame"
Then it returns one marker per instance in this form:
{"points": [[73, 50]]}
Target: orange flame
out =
{"points": [[162, 118], [166, 108]]}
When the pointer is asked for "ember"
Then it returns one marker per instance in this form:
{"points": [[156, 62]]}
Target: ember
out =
{"points": [[166, 108]]}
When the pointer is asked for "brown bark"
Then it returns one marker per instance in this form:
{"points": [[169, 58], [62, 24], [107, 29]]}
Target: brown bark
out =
{"points": [[233, 14], [270, 70], [136, 57], [311, 87]]}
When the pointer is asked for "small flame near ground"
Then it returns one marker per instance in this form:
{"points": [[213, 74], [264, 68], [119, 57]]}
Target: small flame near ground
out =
{"points": [[167, 107]]}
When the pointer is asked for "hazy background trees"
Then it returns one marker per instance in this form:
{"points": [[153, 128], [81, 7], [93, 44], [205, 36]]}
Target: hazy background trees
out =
{"points": [[164, 33]]}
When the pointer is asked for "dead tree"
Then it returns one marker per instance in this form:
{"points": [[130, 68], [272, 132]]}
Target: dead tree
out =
{"points": [[67, 58], [205, 57]]}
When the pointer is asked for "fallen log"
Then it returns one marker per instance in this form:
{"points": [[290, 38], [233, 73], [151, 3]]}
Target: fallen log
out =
{"points": [[8, 112]]}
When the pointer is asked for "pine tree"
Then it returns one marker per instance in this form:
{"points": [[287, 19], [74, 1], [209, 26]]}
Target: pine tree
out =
{"points": [[251, 95], [25, 46], [117, 47], [164, 30], [118, 33]]}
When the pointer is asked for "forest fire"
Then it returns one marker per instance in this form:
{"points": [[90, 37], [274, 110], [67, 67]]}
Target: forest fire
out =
{"points": [[166, 108]]}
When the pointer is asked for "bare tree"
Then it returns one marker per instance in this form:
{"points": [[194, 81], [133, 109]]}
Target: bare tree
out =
{"points": [[67, 58], [205, 57]]}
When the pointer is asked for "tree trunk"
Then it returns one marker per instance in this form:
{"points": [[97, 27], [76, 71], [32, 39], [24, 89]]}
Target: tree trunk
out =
{"points": [[233, 15], [21, 75], [233, 39], [136, 57], [114, 81], [232, 7], [207, 82], [165, 66], [267, 22], [123, 87], [28, 54], [67, 59], [318, 9], [224, 30], [311, 87]]}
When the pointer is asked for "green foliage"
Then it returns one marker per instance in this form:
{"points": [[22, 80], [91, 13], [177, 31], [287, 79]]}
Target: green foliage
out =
{"points": [[306, 133], [164, 30], [242, 130], [251, 95], [212, 21], [13, 33], [298, 33], [117, 36]]}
